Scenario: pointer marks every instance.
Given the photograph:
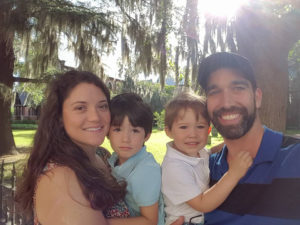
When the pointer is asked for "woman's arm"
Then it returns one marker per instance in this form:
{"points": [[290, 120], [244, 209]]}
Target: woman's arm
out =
{"points": [[60, 200], [216, 195], [149, 216]]}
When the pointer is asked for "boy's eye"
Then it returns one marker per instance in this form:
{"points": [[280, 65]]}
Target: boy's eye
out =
{"points": [[200, 126], [182, 127], [135, 131], [116, 129]]}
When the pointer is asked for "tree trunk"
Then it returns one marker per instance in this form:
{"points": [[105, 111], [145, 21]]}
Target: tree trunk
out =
{"points": [[6, 84], [6, 136], [190, 27], [265, 40], [177, 67]]}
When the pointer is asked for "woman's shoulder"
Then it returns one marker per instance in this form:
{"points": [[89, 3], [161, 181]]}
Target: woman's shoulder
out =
{"points": [[58, 181], [55, 172], [59, 195], [56, 186]]}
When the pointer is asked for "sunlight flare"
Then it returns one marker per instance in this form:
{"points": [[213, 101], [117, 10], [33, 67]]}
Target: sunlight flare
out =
{"points": [[221, 8]]}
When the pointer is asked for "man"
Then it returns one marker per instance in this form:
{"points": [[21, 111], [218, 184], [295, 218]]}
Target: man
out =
{"points": [[269, 194]]}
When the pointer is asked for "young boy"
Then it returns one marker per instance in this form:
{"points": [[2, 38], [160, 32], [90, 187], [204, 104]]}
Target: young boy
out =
{"points": [[185, 169], [131, 126]]}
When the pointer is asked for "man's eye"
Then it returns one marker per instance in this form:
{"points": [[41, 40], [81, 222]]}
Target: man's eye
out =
{"points": [[239, 88], [212, 92]]}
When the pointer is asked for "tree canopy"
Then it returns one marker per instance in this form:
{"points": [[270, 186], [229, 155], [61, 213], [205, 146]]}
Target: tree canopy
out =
{"points": [[156, 37]]}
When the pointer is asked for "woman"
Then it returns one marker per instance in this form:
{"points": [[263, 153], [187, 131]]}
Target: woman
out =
{"points": [[65, 181]]}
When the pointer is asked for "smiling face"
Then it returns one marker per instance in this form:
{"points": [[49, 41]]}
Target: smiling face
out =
{"points": [[126, 140], [231, 103], [86, 116], [189, 134]]}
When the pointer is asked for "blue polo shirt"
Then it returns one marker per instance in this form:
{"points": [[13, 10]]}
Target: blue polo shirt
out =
{"points": [[269, 194], [143, 176]]}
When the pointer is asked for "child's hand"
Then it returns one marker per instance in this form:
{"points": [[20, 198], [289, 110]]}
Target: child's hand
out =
{"points": [[179, 221], [239, 165]]}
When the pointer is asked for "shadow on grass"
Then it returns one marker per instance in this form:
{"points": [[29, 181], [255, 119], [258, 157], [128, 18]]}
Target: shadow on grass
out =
{"points": [[155, 130], [29, 136]]}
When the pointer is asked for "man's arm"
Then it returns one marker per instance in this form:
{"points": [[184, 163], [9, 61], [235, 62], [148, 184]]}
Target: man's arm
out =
{"points": [[217, 147]]}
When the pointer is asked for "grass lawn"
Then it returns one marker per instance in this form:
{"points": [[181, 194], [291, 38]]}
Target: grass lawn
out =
{"points": [[292, 132], [23, 138], [156, 144]]}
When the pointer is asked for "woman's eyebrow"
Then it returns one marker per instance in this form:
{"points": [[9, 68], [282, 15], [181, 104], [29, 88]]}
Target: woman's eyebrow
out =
{"points": [[78, 102], [84, 102]]}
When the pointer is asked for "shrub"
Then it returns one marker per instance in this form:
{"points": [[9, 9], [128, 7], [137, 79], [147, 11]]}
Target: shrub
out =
{"points": [[19, 126], [159, 119], [214, 132], [24, 122]]}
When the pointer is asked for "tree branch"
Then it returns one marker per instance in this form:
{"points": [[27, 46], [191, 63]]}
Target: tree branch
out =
{"points": [[29, 80]]}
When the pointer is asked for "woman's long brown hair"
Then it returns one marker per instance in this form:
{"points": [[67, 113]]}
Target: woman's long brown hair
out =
{"points": [[52, 144]]}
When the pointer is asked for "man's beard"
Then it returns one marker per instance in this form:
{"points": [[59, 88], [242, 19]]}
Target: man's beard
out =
{"points": [[238, 130]]}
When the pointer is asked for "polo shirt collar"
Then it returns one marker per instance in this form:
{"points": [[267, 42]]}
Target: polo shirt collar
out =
{"points": [[127, 167], [268, 148], [222, 160], [173, 153]]}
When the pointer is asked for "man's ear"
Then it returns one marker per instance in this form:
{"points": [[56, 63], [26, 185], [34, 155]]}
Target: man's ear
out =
{"points": [[258, 97], [168, 132]]}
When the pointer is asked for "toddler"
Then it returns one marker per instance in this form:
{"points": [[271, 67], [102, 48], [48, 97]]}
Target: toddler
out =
{"points": [[185, 169]]}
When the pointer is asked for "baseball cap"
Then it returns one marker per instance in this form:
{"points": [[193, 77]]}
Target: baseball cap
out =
{"points": [[227, 60]]}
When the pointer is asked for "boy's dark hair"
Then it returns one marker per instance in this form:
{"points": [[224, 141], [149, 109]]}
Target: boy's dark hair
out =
{"points": [[130, 104], [185, 100], [222, 60]]}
